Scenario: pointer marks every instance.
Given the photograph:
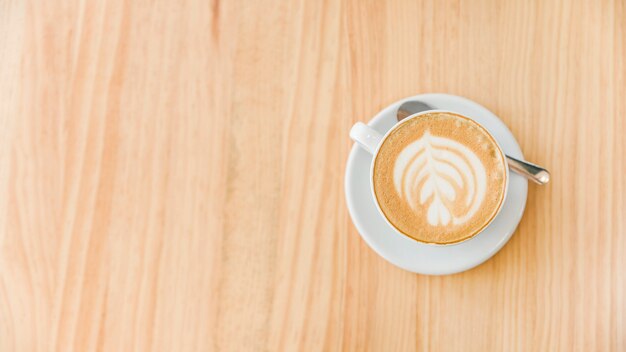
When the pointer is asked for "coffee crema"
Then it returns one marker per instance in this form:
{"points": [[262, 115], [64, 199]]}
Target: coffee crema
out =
{"points": [[439, 178]]}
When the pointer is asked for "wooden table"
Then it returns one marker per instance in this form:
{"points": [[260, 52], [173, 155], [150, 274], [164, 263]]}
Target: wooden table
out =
{"points": [[172, 174]]}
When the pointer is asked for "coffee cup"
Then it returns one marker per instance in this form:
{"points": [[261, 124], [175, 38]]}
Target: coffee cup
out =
{"points": [[437, 177]]}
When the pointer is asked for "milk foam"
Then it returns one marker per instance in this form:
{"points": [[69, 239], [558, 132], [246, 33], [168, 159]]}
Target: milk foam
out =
{"points": [[435, 172]]}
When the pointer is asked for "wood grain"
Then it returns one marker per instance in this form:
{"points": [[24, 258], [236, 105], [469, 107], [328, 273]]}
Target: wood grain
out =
{"points": [[171, 174]]}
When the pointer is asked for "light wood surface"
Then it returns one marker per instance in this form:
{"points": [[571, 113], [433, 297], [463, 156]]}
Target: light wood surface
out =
{"points": [[171, 174]]}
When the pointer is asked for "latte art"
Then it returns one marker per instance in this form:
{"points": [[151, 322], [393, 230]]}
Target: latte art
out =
{"points": [[439, 178], [443, 175]]}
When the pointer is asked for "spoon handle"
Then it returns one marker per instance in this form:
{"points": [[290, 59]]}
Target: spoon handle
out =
{"points": [[531, 171]]}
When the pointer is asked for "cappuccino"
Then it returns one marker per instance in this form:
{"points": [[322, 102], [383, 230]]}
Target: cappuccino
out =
{"points": [[439, 178]]}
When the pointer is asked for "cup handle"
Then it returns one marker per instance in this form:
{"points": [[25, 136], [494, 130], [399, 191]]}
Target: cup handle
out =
{"points": [[366, 137]]}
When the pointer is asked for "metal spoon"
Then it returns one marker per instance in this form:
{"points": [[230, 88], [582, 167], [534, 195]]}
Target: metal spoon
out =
{"points": [[531, 171]]}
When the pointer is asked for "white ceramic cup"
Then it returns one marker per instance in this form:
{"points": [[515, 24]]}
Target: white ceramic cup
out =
{"points": [[371, 140]]}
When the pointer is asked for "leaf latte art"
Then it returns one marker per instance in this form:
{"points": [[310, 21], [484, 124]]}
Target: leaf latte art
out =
{"points": [[439, 178], [443, 176]]}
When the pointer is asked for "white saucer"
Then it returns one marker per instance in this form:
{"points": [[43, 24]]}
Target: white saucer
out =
{"points": [[423, 258]]}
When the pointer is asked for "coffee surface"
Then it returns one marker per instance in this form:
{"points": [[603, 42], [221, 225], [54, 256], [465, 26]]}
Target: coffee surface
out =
{"points": [[439, 178]]}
